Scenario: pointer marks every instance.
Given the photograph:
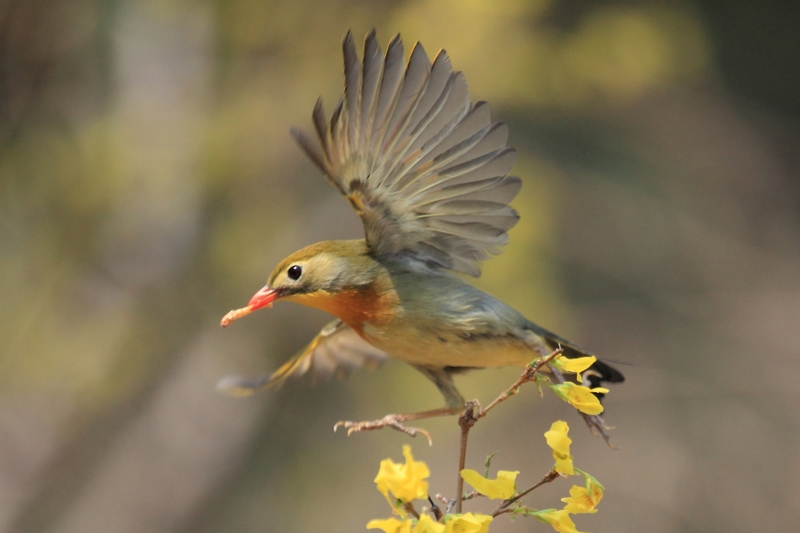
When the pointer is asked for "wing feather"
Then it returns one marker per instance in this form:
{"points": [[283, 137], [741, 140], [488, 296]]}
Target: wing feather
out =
{"points": [[431, 100], [477, 119], [352, 86], [425, 169], [492, 165], [336, 350], [416, 77], [323, 134], [497, 189], [391, 83], [370, 78], [416, 137]]}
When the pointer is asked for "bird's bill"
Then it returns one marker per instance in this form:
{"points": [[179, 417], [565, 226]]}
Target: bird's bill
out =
{"points": [[262, 298]]}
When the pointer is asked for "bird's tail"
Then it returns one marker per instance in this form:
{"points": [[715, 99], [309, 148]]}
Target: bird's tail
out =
{"points": [[597, 374]]}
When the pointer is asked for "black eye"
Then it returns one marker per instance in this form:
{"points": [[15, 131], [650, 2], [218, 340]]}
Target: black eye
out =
{"points": [[294, 272]]}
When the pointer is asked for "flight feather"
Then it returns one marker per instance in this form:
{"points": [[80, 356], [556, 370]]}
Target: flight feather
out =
{"points": [[336, 351], [424, 167]]}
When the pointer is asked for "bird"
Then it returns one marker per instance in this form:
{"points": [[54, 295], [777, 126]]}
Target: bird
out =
{"points": [[427, 171]]}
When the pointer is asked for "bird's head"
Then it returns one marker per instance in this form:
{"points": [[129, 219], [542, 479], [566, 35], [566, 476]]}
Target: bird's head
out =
{"points": [[314, 276]]}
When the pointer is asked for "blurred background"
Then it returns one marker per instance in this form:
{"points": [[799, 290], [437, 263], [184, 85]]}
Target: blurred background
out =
{"points": [[148, 184]]}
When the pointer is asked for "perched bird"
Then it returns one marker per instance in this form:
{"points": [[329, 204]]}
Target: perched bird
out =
{"points": [[427, 172]]}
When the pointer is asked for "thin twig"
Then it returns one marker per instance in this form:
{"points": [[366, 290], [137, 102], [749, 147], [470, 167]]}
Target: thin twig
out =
{"points": [[466, 421], [473, 494], [437, 513], [504, 506], [527, 375]]}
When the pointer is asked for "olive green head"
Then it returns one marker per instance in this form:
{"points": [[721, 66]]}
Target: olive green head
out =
{"points": [[327, 267]]}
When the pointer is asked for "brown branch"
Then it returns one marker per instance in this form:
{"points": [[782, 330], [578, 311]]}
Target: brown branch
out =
{"points": [[473, 494], [466, 421], [527, 375], [504, 506]]}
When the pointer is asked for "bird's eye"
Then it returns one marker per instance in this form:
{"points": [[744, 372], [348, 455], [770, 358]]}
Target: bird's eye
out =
{"points": [[295, 272]]}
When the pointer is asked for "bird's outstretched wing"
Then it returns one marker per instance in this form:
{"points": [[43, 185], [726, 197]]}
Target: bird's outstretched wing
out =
{"points": [[336, 350], [425, 169]]}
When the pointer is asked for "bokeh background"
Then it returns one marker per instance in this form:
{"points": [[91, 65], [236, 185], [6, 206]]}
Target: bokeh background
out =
{"points": [[148, 184]]}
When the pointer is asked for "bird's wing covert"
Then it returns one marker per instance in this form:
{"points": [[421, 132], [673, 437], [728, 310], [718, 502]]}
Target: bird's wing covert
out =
{"points": [[424, 168], [336, 350]]}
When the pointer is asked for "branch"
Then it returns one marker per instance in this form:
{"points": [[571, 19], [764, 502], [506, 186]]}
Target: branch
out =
{"points": [[437, 513], [469, 417], [504, 506], [527, 375], [466, 421]]}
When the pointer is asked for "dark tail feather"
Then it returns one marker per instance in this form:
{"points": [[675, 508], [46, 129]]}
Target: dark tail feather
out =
{"points": [[597, 374], [600, 373]]}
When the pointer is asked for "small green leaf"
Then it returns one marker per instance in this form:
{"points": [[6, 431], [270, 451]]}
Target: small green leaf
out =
{"points": [[488, 463]]}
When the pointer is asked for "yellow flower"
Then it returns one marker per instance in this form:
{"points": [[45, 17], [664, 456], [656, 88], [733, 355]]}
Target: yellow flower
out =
{"points": [[584, 499], [468, 523], [560, 520], [428, 525], [576, 365], [391, 525], [580, 397], [579, 501], [501, 488], [405, 481], [557, 439]]}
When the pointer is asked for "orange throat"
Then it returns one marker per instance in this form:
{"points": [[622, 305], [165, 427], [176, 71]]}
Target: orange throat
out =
{"points": [[354, 307]]}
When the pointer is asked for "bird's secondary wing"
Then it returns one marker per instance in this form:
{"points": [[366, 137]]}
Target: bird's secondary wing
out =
{"points": [[336, 350], [425, 169]]}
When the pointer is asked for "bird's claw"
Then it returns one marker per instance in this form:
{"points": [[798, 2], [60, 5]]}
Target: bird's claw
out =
{"points": [[392, 421]]}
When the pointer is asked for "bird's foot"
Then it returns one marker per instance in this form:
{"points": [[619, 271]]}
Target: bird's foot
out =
{"points": [[392, 421], [396, 422]]}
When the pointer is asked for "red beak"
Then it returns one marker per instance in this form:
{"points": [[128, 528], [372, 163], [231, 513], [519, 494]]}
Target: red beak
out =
{"points": [[262, 298]]}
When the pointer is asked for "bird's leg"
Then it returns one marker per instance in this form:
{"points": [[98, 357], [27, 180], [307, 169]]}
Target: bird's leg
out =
{"points": [[396, 422], [443, 381]]}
